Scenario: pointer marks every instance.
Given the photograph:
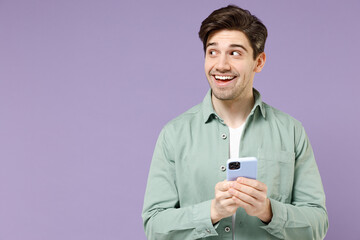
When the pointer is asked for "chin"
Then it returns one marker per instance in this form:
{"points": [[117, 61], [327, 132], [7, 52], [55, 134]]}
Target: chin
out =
{"points": [[223, 95]]}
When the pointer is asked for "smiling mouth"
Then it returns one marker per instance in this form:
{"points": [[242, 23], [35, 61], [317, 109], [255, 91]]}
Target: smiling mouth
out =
{"points": [[223, 77]]}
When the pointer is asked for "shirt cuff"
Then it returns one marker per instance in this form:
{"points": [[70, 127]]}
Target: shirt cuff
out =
{"points": [[277, 223], [202, 220]]}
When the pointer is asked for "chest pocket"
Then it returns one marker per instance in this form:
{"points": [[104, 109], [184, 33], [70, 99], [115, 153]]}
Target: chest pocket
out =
{"points": [[276, 170]]}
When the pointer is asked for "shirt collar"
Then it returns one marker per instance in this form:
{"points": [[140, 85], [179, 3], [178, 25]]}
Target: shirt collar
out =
{"points": [[209, 112]]}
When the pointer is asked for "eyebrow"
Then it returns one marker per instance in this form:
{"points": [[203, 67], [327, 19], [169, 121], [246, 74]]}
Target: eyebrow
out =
{"points": [[231, 45]]}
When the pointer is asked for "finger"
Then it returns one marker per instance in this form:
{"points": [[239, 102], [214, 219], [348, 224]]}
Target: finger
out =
{"points": [[241, 203], [230, 202], [228, 206], [222, 186], [253, 192], [252, 183], [219, 195], [243, 197]]}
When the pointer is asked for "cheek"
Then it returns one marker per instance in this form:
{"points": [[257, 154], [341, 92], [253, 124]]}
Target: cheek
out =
{"points": [[207, 66], [244, 69]]}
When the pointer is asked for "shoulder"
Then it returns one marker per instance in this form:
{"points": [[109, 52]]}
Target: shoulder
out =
{"points": [[284, 123], [186, 120], [279, 117]]}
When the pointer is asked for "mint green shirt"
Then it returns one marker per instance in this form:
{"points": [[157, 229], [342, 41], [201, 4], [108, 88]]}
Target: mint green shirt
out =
{"points": [[190, 158]]}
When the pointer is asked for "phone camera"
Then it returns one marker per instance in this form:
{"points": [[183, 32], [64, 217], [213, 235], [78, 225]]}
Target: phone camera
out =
{"points": [[234, 165]]}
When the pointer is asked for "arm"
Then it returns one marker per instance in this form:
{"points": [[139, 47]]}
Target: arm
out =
{"points": [[306, 216], [163, 216]]}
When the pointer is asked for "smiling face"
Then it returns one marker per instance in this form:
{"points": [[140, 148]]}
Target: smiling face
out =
{"points": [[230, 66]]}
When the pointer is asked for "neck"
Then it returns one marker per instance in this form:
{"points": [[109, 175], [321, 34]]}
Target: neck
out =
{"points": [[234, 112]]}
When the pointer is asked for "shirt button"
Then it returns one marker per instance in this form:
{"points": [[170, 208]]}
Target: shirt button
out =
{"points": [[223, 168], [227, 229], [208, 230], [223, 136]]}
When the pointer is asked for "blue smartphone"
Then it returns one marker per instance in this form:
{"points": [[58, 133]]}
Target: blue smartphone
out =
{"points": [[241, 167]]}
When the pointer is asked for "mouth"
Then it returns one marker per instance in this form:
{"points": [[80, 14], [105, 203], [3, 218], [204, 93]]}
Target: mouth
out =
{"points": [[223, 80]]}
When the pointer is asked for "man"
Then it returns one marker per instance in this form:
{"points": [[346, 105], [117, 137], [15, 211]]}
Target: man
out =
{"points": [[187, 197]]}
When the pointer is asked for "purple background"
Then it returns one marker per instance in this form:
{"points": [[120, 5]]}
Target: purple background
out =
{"points": [[86, 86]]}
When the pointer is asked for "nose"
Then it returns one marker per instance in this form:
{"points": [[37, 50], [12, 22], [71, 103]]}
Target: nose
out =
{"points": [[223, 64]]}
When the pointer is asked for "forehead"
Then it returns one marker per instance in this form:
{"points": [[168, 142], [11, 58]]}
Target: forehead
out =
{"points": [[225, 38]]}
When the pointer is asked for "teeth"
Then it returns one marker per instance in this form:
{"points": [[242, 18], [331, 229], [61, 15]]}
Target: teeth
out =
{"points": [[224, 77]]}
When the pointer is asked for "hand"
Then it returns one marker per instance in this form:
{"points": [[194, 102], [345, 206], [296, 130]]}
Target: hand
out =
{"points": [[224, 204], [251, 195]]}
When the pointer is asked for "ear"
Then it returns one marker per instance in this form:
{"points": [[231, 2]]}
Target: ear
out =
{"points": [[260, 62]]}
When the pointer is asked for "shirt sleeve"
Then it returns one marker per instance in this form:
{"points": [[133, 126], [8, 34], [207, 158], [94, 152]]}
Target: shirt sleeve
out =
{"points": [[306, 216], [163, 217]]}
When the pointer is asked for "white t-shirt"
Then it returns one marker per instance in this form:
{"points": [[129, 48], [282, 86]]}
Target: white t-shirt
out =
{"points": [[235, 136]]}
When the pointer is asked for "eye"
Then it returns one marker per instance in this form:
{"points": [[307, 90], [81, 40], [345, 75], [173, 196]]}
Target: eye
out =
{"points": [[212, 53], [235, 53]]}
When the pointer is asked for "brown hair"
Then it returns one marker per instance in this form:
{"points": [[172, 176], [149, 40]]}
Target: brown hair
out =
{"points": [[235, 18]]}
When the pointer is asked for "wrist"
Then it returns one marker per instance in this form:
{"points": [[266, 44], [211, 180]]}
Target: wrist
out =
{"points": [[213, 213], [267, 215]]}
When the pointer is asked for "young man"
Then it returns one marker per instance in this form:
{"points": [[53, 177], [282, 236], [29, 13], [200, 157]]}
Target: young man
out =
{"points": [[187, 197]]}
